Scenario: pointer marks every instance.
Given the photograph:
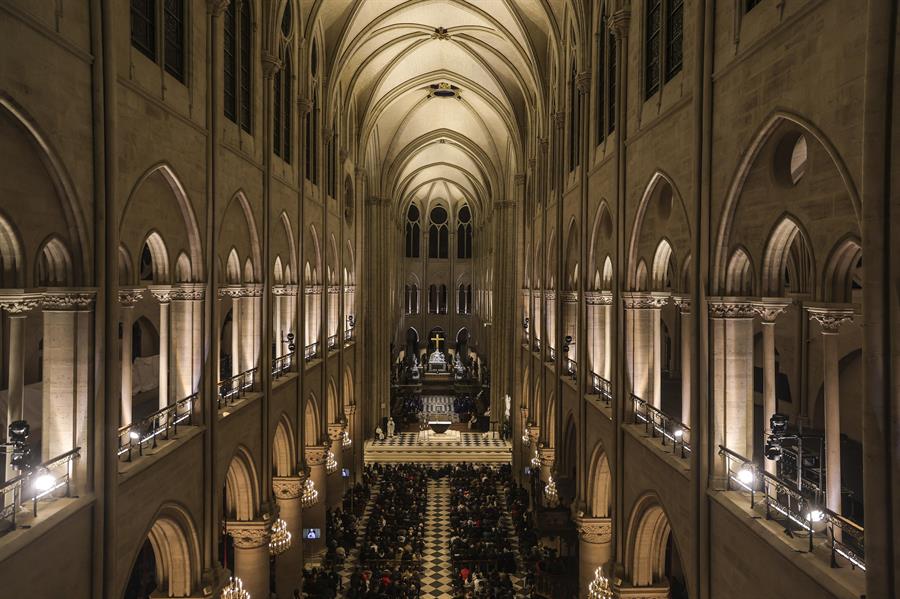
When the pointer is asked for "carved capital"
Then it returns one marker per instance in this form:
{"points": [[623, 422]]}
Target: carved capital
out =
{"points": [[731, 307], [568, 297], [304, 105], [232, 291], [644, 300], [67, 299], [620, 23], [830, 318], [598, 298], [312, 290], [19, 303], [188, 292], [559, 119], [583, 82], [270, 65], [595, 530], [315, 455], [250, 534], [128, 297], [547, 455], [655, 592], [336, 431], [217, 7], [162, 293], [550, 295], [288, 487], [253, 290], [768, 308], [683, 302], [519, 179]]}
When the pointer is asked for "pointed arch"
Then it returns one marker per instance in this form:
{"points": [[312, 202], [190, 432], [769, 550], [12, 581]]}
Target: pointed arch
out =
{"points": [[599, 483], [159, 259], [176, 548], [842, 271], [663, 271], [739, 277], [647, 539], [788, 259], [53, 266], [233, 268], [183, 269], [662, 190], [283, 451], [311, 421], [241, 487]]}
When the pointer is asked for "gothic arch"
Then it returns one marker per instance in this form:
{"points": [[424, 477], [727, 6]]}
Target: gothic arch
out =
{"points": [[240, 230], [176, 548], [241, 487], [334, 408], [841, 270], [311, 420], [599, 483], [646, 542], [788, 248], [283, 448]]}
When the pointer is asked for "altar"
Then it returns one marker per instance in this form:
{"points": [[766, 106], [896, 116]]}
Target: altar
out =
{"points": [[437, 362], [438, 433]]}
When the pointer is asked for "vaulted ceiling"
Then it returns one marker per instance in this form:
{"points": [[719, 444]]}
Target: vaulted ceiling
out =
{"points": [[446, 91]]}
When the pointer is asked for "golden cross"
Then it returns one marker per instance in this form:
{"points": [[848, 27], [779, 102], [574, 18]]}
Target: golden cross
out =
{"points": [[437, 339]]}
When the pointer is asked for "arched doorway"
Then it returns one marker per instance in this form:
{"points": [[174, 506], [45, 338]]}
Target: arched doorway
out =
{"points": [[167, 562], [652, 556]]}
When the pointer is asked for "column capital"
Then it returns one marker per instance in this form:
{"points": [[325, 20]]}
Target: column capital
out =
{"points": [[312, 290], [569, 296], [583, 82], [654, 592], [217, 7], [559, 119], [768, 308], [519, 179], [642, 300], [683, 301], [188, 292], [315, 455], [335, 431], [249, 534], [598, 298], [547, 456], [350, 410], [232, 291], [304, 105], [270, 65], [129, 296], [288, 487], [731, 307], [594, 530], [284, 290], [68, 299], [620, 22], [830, 317], [19, 302], [162, 293], [253, 290], [550, 294]]}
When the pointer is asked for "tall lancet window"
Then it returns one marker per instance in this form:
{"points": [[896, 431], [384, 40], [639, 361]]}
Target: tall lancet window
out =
{"points": [[238, 56], [464, 234], [438, 234], [412, 232], [284, 81]]}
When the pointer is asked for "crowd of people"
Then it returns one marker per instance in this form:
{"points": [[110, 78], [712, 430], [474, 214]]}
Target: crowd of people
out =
{"points": [[391, 548], [479, 546]]}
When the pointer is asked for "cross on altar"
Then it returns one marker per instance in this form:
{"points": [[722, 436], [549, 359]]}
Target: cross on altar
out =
{"points": [[437, 340]]}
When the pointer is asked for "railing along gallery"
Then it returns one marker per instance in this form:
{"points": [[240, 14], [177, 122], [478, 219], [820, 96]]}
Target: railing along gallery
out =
{"points": [[145, 433], [798, 512], [657, 423], [282, 365], [311, 351], [234, 387], [34, 485], [601, 387]]}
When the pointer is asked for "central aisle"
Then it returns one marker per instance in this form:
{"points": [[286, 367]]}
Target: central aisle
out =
{"points": [[436, 566]]}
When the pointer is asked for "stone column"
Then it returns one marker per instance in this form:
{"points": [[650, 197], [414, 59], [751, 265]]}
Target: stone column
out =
{"points": [[335, 481], [569, 301], [127, 299], [548, 457], [314, 516], [277, 324], [642, 344], [684, 310], [334, 296], [594, 549], [768, 310], [504, 288], [67, 358], [251, 554], [186, 338], [163, 294], [289, 567], [250, 313], [234, 292], [732, 366], [830, 320], [17, 307]]}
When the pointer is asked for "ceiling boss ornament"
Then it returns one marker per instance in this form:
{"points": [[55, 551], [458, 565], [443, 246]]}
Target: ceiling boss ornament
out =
{"points": [[443, 90]]}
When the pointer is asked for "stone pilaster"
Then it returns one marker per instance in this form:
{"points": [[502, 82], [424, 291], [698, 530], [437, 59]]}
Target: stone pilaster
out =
{"points": [[127, 300], [595, 548], [251, 554], [643, 343], [287, 491]]}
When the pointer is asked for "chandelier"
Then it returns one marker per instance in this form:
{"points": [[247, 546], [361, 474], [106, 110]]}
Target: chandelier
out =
{"points": [[235, 589], [550, 494], [330, 462], [599, 588], [526, 437], [346, 441], [536, 460], [280, 541], [310, 496]]}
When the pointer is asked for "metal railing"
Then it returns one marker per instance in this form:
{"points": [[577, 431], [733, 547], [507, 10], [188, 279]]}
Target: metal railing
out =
{"points": [[144, 433], [537, 344], [348, 335], [799, 513], [571, 366], [551, 351], [282, 365], [311, 351], [601, 387], [332, 342], [234, 388], [35, 484], [658, 423]]}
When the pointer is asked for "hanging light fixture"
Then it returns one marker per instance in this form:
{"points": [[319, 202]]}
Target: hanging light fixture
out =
{"points": [[330, 462], [346, 441], [551, 496], [280, 539], [310, 496], [235, 589], [599, 588]]}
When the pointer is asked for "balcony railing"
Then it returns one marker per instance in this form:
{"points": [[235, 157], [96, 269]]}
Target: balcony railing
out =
{"points": [[234, 388], [34, 485], [332, 342], [601, 387], [571, 366], [551, 351], [145, 433], [537, 344], [348, 335], [311, 351], [282, 365], [799, 513], [659, 424]]}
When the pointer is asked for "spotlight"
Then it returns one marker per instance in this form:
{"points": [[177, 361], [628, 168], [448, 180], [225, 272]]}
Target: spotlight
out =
{"points": [[778, 424], [816, 519], [19, 460], [678, 433], [745, 474], [44, 482], [134, 435], [773, 450], [19, 431]]}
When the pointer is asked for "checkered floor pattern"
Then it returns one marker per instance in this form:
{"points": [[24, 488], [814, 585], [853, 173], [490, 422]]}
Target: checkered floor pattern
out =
{"points": [[467, 440], [436, 567], [346, 569], [438, 407]]}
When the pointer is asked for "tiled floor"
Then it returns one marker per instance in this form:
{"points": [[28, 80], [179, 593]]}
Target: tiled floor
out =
{"points": [[436, 566], [466, 440]]}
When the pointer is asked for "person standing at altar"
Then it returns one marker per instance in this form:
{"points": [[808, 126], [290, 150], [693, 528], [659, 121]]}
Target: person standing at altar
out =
{"points": [[390, 427]]}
